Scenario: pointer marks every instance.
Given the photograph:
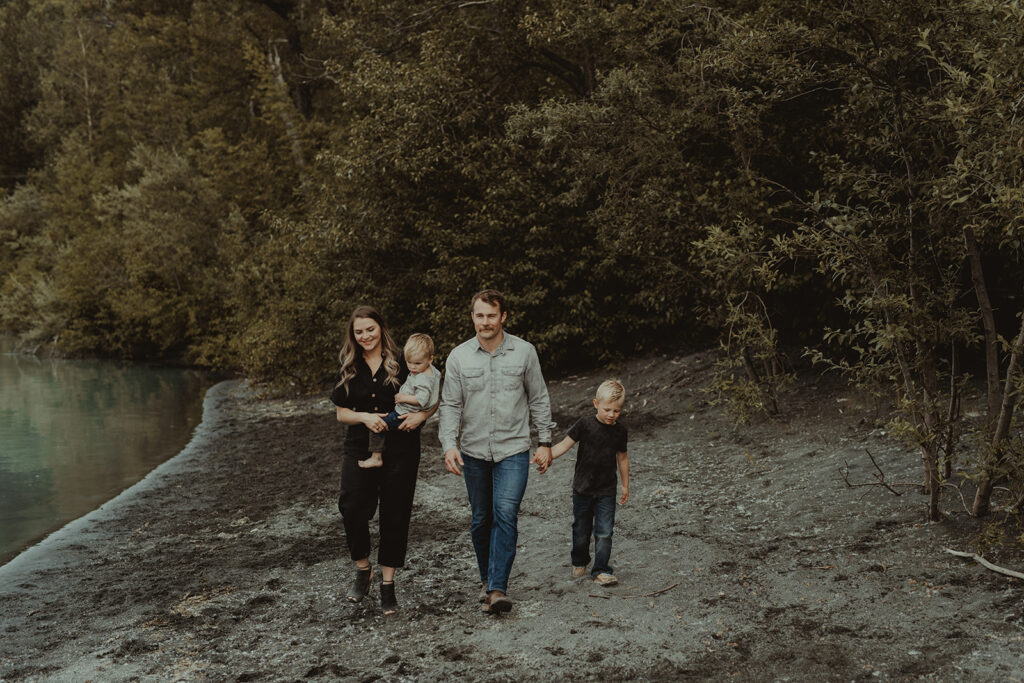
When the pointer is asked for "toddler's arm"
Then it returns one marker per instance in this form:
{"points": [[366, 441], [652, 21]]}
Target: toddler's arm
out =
{"points": [[408, 399], [623, 458]]}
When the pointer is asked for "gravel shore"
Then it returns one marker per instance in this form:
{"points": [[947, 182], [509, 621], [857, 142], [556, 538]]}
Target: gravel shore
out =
{"points": [[742, 554]]}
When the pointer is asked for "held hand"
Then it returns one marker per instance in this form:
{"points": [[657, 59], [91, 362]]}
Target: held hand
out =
{"points": [[411, 421], [542, 457], [374, 422], [453, 461], [625, 496]]}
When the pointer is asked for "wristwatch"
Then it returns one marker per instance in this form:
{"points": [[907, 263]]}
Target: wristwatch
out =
{"points": [[544, 444]]}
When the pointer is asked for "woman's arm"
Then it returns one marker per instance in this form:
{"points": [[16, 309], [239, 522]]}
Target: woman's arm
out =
{"points": [[372, 421]]}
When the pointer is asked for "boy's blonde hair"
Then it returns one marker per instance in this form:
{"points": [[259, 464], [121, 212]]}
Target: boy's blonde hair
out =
{"points": [[611, 391], [418, 345]]}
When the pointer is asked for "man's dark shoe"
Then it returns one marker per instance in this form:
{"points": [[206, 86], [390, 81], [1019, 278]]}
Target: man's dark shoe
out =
{"points": [[361, 585], [497, 603]]}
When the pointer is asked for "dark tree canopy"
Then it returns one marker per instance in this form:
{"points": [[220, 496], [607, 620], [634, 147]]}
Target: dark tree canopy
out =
{"points": [[221, 182]]}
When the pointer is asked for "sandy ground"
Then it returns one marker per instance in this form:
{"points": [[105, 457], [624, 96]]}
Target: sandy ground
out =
{"points": [[742, 554]]}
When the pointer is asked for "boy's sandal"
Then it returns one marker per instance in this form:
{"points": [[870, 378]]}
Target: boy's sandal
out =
{"points": [[360, 585], [388, 601], [483, 593]]}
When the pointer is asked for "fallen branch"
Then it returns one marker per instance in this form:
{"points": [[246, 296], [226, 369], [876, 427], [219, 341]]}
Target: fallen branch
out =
{"points": [[645, 595], [985, 563], [879, 476], [648, 595]]}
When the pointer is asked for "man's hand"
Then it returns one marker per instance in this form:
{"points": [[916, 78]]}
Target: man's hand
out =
{"points": [[453, 461], [542, 457], [625, 495]]}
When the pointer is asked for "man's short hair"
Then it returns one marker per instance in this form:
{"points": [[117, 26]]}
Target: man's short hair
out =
{"points": [[611, 391], [418, 345], [492, 297]]}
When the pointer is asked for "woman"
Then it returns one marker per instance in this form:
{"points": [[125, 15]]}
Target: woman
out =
{"points": [[372, 370]]}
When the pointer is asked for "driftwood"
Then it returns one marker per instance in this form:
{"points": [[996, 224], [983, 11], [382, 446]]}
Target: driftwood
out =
{"points": [[985, 563], [645, 595]]}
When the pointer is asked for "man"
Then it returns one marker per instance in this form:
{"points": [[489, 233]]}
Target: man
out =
{"points": [[493, 389]]}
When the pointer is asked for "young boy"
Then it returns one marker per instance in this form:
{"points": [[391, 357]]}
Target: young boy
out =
{"points": [[602, 451], [420, 391]]}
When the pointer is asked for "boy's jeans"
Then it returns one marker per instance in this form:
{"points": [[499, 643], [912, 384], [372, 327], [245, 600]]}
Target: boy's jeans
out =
{"points": [[377, 440], [597, 514], [495, 491]]}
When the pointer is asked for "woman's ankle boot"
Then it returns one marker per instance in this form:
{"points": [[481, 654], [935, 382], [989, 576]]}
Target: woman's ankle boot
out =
{"points": [[388, 602], [361, 584]]}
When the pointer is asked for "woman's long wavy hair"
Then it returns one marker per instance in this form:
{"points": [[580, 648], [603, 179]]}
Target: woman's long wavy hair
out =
{"points": [[349, 350]]}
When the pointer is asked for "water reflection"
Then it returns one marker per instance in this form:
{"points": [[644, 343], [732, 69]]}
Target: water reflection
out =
{"points": [[74, 434]]}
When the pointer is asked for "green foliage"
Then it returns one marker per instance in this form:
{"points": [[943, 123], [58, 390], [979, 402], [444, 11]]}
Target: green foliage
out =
{"points": [[223, 182]]}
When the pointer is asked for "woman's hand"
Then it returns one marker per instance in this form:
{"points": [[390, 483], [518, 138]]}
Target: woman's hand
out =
{"points": [[411, 421], [375, 422]]}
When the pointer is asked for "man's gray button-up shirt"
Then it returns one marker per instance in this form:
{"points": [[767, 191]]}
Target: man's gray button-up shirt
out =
{"points": [[494, 397]]}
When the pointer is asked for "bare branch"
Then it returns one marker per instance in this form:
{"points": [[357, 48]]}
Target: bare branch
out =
{"points": [[644, 595], [879, 476]]}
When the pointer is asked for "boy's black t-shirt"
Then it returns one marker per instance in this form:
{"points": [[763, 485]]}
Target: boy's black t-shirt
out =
{"points": [[596, 465]]}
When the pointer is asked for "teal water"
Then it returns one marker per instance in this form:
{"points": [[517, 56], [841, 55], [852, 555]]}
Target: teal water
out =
{"points": [[74, 434]]}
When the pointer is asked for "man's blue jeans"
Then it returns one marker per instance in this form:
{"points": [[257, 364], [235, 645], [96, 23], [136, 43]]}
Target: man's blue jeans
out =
{"points": [[592, 514], [495, 491]]}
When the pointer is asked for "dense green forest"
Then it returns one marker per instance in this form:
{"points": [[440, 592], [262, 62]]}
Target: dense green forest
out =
{"points": [[221, 182]]}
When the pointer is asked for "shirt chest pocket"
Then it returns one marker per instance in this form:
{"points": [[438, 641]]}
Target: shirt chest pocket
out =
{"points": [[474, 378], [512, 377]]}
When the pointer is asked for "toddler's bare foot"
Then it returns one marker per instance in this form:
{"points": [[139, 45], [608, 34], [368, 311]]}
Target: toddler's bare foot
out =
{"points": [[373, 461]]}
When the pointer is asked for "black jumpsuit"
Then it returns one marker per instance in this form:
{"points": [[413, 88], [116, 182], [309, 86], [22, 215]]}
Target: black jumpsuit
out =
{"points": [[390, 487]]}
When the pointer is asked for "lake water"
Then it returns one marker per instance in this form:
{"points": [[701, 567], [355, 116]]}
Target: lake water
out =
{"points": [[74, 434]]}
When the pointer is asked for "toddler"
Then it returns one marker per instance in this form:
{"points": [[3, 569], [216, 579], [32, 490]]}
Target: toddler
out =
{"points": [[420, 391]]}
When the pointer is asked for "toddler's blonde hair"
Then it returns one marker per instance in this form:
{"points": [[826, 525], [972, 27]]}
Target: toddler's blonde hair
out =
{"points": [[418, 345], [611, 391]]}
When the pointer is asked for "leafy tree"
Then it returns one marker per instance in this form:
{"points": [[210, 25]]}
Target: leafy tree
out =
{"points": [[222, 182], [891, 222], [18, 83]]}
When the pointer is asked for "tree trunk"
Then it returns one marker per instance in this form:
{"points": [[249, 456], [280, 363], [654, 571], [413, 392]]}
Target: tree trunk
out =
{"points": [[291, 126], [952, 414], [983, 497], [930, 463], [932, 425], [988, 322], [86, 88]]}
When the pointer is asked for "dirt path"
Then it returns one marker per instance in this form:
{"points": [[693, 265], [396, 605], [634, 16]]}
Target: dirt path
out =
{"points": [[742, 554]]}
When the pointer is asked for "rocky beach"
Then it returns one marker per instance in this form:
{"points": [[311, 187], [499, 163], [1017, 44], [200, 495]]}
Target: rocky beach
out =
{"points": [[743, 554]]}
